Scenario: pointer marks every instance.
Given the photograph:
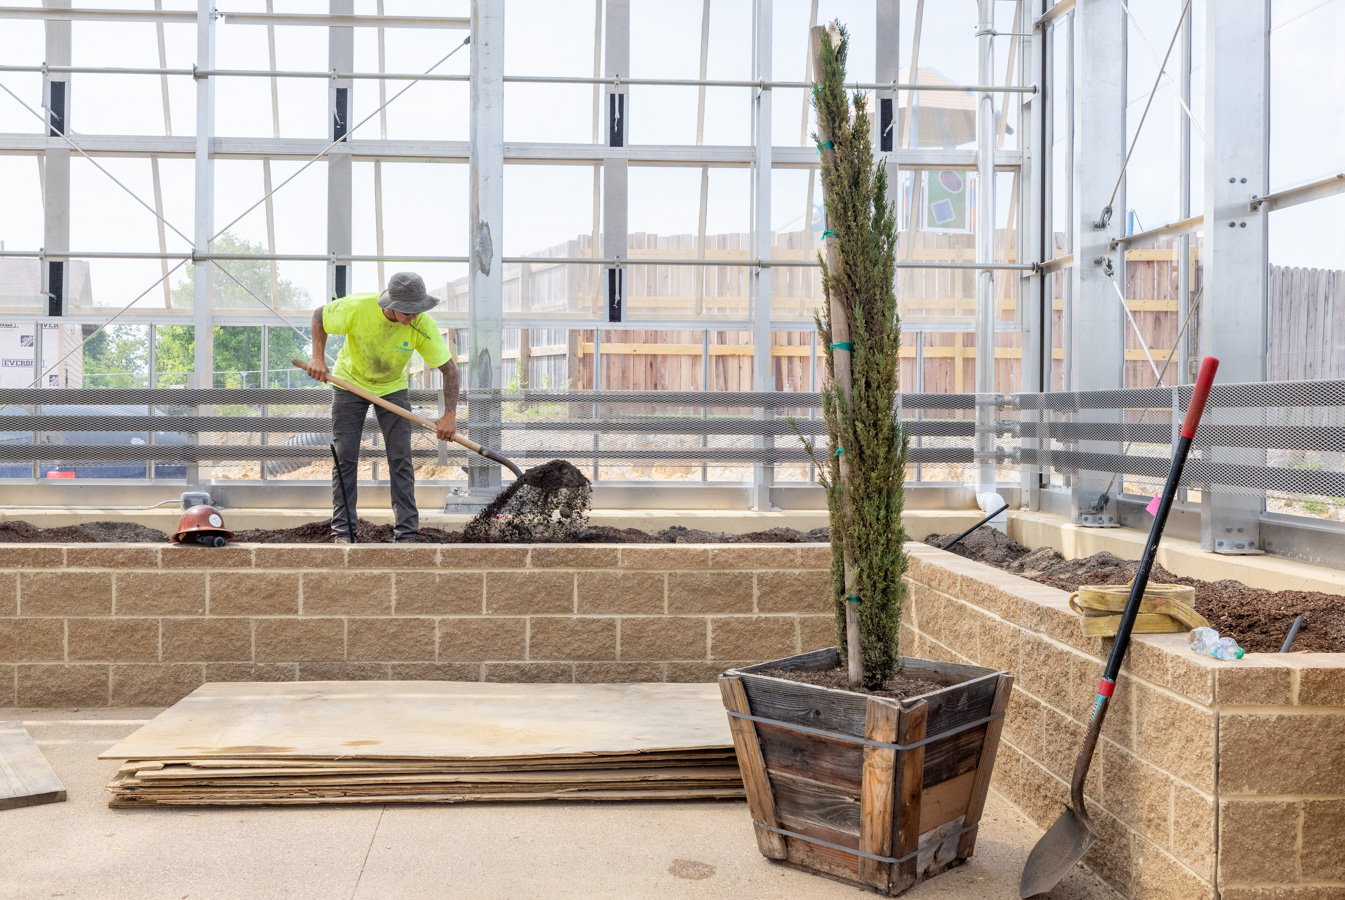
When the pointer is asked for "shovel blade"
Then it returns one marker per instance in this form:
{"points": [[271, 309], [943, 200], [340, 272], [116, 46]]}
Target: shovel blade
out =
{"points": [[1058, 851]]}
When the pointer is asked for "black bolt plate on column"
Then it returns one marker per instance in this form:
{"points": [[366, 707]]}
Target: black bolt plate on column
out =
{"points": [[614, 297], [616, 120], [341, 114], [56, 108], [55, 288]]}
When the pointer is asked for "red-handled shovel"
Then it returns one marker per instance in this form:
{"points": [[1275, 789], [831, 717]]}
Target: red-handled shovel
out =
{"points": [[1072, 834]]}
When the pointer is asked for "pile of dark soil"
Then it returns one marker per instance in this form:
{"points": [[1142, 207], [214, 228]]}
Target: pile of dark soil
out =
{"points": [[20, 532], [320, 532], [898, 687], [549, 504], [1259, 619]]}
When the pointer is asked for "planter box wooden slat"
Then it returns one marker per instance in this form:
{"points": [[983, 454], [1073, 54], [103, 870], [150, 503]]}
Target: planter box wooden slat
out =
{"points": [[884, 817]]}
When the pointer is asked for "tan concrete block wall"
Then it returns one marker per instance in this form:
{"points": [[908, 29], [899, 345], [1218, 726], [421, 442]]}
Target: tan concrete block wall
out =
{"points": [[130, 624], [1212, 779]]}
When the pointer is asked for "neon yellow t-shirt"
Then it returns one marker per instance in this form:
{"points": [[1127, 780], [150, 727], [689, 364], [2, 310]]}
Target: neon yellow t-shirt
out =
{"points": [[378, 351]]}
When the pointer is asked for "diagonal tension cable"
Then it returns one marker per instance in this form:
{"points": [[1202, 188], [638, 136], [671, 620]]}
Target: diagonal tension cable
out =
{"points": [[1176, 91], [1107, 211], [80, 150]]}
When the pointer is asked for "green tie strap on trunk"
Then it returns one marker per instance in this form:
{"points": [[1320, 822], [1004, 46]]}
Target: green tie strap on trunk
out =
{"points": [[840, 451], [847, 346], [825, 145], [1166, 608], [826, 234], [853, 598]]}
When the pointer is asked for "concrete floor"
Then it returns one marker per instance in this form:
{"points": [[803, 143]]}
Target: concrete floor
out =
{"points": [[83, 849]]}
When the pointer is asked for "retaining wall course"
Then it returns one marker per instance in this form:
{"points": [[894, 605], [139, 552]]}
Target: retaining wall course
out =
{"points": [[1212, 779]]}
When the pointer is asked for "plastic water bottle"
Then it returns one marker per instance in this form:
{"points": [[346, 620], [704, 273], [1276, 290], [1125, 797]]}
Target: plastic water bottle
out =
{"points": [[1226, 648], [1203, 641]]}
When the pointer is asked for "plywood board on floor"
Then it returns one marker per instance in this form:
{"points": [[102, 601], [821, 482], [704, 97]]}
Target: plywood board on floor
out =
{"points": [[26, 778], [431, 720]]}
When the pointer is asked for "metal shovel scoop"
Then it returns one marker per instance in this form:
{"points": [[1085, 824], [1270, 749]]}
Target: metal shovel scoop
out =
{"points": [[1066, 842]]}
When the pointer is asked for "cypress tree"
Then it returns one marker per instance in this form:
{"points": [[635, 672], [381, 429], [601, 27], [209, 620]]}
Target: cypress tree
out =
{"points": [[863, 227]]}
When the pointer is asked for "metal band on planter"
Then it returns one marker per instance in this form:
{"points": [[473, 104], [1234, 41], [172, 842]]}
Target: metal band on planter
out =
{"points": [[851, 850], [836, 735]]}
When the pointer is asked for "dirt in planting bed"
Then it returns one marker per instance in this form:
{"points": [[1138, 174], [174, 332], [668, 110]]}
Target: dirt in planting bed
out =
{"points": [[1259, 619], [20, 532], [366, 532], [548, 504], [898, 687]]}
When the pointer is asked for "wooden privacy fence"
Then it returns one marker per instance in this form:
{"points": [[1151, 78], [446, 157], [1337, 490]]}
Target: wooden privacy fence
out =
{"points": [[1305, 313]]}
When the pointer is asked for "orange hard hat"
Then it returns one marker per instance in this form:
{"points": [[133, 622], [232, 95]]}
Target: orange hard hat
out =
{"points": [[201, 519]]}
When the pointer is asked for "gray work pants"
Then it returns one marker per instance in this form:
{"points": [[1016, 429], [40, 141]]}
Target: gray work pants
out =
{"points": [[348, 413]]}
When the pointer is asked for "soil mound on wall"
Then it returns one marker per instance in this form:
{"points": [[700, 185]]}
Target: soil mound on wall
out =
{"points": [[1259, 619]]}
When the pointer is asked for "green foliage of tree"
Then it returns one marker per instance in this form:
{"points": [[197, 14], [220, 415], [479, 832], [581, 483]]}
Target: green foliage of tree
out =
{"points": [[865, 235], [237, 347], [117, 356]]}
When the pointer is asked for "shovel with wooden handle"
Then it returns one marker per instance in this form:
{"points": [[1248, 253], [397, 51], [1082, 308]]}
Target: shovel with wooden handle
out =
{"points": [[1061, 848], [419, 420]]}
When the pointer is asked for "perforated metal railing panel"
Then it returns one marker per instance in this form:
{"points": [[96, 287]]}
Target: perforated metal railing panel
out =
{"points": [[1283, 440]]}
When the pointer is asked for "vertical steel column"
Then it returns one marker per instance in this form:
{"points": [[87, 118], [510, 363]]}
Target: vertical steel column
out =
{"points": [[204, 362], [485, 302], [1096, 354], [614, 170], [340, 100], [763, 376], [1233, 320], [1034, 291], [203, 332], [985, 253], [56, 185]]}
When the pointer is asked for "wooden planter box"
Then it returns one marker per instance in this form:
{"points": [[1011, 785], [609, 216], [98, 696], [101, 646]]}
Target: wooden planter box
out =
{"points": [[828, 797]]}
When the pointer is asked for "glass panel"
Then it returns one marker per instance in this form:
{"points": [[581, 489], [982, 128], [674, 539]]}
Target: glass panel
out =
{"points": [[665, 39], [1153, 177], [297, 206], [1307, 91], [1156, 21], [174, 355], [130, 104], [664, 222], [1307, 269], [542, 37], [21, 228], [1152, 285], [283, 345], [117, 357], [565, 224], [556, 113]]}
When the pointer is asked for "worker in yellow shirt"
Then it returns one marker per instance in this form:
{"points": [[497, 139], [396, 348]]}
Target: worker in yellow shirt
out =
{"points": [[382, 331]]}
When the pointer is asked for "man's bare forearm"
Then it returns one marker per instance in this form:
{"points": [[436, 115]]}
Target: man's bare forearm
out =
{"points": [[451, 387], [319, 335]]}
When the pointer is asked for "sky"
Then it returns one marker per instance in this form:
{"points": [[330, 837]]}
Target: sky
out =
{"points": [[425, 204]]}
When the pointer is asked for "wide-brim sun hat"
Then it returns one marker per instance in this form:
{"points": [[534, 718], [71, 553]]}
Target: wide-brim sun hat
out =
{"points": [[406, 294]]}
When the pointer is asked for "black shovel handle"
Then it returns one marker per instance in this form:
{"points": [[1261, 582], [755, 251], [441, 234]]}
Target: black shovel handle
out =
{"points": [[1194, 411], [1107, 685]]}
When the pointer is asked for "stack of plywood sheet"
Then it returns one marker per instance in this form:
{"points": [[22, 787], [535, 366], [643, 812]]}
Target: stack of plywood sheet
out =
{"points": [[429, 742]]}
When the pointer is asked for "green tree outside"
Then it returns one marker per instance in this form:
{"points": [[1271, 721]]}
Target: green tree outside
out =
{"points": [[121, 353]]}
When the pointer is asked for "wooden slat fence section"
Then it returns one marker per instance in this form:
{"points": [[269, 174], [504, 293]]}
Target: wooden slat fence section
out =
{"points": [[1306, 314]]}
